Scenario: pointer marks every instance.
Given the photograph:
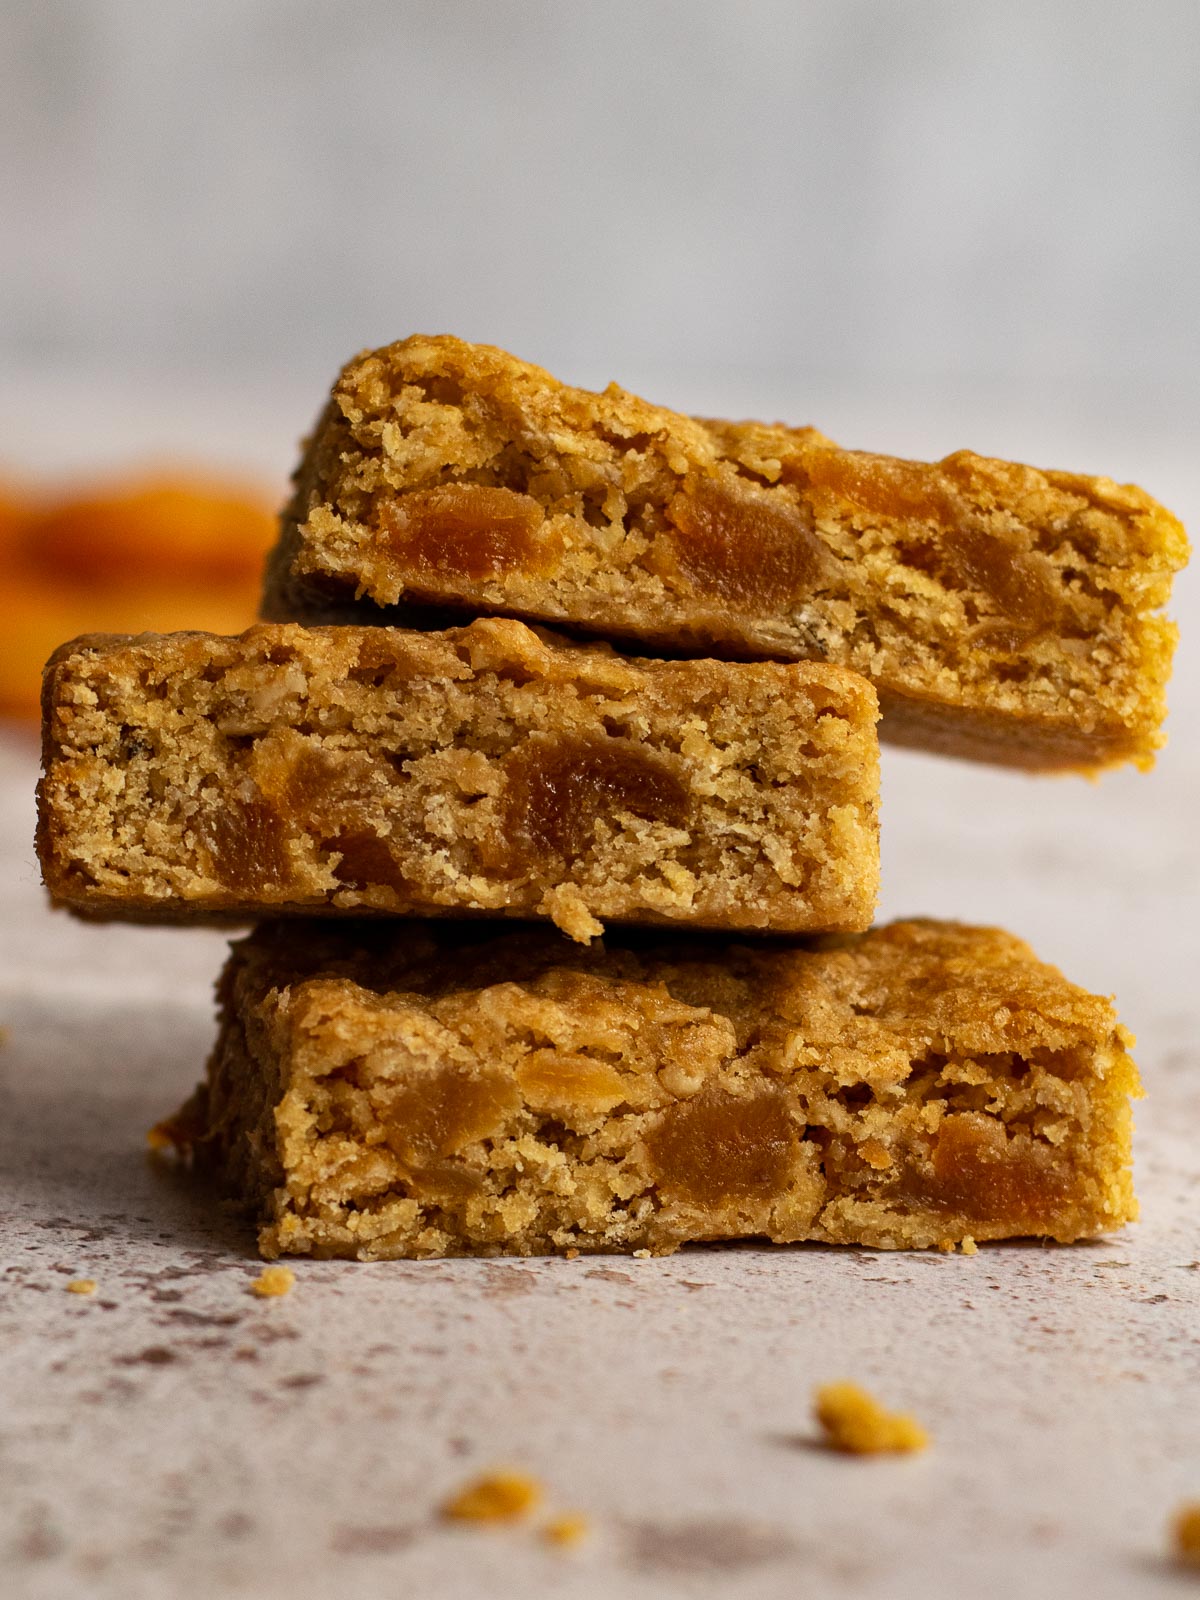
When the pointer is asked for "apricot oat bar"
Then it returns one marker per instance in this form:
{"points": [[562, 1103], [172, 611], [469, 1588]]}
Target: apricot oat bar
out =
{"points": [[389, 1090], [1003, 613], [486, 769]]}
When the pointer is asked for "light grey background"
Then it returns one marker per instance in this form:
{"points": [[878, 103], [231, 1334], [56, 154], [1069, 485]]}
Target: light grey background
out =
{"points": [[874, 191]]}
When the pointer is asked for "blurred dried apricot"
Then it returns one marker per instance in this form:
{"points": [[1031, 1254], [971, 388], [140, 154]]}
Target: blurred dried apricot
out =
{"points": [[183, 525], [148, 553]]}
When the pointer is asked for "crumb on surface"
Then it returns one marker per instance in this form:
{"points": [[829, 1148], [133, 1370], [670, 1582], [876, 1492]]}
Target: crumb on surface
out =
{"points": [[572, 1255], [273, 1281], [500, 1496], [568, 1528], [82, 1286], [969, 1247], [1186, 1527], [642, 1255], [855, 1422], [157, 1137]]}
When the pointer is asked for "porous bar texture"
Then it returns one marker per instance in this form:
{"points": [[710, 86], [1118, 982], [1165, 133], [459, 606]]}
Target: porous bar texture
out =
{"points": [[1003, 613], [487, 769], [418, 1090]]}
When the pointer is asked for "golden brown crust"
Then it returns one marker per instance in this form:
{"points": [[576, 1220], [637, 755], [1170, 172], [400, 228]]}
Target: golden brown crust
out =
{"points": [[485, 770], [425, 1090], [1003, 613]]}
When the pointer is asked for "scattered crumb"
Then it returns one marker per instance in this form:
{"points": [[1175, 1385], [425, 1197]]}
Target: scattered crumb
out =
{"points": [[946, 1246], [641, 1255], [855, 1422], [157, 1137], [273, 1281], [82, 1286], [1186, 1526], [500, 1496], [568, 1528], [572, 1255], [969, 1247]]}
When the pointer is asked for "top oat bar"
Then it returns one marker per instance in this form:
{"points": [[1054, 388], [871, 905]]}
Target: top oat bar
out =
{"points": [[1003, 613]]}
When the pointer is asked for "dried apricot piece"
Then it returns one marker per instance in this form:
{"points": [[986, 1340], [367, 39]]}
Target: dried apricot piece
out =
{"points": [[466, 530], [753, 548], [720, 1146], [558, 785]]}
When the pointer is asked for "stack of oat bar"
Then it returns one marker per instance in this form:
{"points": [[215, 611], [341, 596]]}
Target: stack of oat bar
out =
{"points": [[690, 1031]]}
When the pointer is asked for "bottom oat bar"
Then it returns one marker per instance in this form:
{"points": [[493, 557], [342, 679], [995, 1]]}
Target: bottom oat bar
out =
{"points": [[418, 1090]]}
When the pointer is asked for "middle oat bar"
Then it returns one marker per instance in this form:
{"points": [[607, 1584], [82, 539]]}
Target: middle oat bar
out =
{"points": [[487, 769]]}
